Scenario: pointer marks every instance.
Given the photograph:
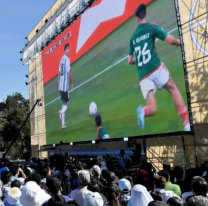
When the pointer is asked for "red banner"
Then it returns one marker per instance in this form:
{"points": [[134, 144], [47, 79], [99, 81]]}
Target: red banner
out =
{"points": [[95, 24]]}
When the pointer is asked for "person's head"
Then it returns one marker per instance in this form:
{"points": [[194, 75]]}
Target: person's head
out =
{"points": [[66, 49], [46, 171], [83, 177], [178, 172], [98, 120], [96, 171], [15, 170], [122, 152], [157, 203], [124, 186], [99, 158], [166, 165], [165, 174], [113, 194], [54, 185], [174, 201], [12, 197], [93, 186], [199, 185], [130, 179], [140, 12], [34, 177], [16, 183], [28, 171], [156, 196], [159, 182], [5, 177], [56, 200], [198, 200], [32, 195]]}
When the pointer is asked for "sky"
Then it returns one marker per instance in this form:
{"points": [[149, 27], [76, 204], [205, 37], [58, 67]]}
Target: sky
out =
{"points": [[17, 19]]}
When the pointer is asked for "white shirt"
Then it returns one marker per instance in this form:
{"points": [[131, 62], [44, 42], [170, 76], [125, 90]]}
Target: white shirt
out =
{"points": [[64, 69], [79, 195], [22, 180], [166, 194]]}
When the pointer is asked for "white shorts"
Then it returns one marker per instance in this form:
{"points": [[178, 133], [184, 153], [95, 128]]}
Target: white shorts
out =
{"points": [[158, 78]]}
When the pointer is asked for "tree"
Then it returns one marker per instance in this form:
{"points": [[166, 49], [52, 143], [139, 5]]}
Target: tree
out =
{"points": [[13, 113]]}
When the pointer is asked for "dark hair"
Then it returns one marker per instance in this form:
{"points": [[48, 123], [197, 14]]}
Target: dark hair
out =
{"points": [[65, 46], [5, 176], [14, 170], [34, 177], [93, 186], [160, 182], [27, 172], [198, 200], [199, 185], [174, 201], [16, 183], [141, 11], [178, 171], [156, 196], [45, 171], [56, 200], [165, 174], [122, 152], [113, 193], [98, 120]]}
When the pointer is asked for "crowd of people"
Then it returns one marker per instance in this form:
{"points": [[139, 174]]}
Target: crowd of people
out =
{"points": [[64, 180]]}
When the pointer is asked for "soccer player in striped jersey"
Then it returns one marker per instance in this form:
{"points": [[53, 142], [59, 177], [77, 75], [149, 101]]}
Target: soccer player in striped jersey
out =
{"points": [[151, 71], [64, 76]]}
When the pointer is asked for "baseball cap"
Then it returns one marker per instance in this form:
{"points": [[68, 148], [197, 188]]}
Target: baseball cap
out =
{"points": [[124, 185], [141, 11], [12, 197], [93, 199], [157, 203], [99, 158], [84, 177]]}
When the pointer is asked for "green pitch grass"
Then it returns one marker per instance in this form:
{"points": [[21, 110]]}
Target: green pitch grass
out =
{"points": [[116, 92]]}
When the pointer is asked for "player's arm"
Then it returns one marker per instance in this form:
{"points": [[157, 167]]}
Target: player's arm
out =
{"points": [[131, 60], [70, 79], [170, 39]]}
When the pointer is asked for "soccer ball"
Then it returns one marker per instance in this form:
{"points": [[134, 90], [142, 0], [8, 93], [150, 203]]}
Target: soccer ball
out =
{"points": [[93, 109]]}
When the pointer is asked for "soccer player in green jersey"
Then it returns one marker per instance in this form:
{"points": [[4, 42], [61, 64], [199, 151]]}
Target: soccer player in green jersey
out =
{"points": [[151, 71]]}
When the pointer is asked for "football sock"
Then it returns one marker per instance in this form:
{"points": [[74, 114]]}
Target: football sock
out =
{"points": [[146, 110], [64, 108], [184, 115], [63, 118]]}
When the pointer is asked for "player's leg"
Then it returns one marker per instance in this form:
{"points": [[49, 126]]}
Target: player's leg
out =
{"points": [[178, 102], [65, 107], [148, 90]]}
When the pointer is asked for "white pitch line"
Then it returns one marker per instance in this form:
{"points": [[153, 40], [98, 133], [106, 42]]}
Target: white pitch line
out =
{"points": [[101, 72]]}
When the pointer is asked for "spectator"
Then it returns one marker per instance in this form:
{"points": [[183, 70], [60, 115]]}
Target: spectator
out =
{"points": [[113, 195], [94, 198], [125, 189], [174, 201], [139, 196], [32, 195], [199, 186], [56, 200], [93, 186], [46, 171], [102, 162], [198, 200], [15, 174], [157, 203], [5, 178], [96, 176], [13, 197], [54, 186], [160, 184], [124, 159], [130, 179], [79, 194], [157, 196], [178, 173], [169, 186], [16, 183], [166, 166]]}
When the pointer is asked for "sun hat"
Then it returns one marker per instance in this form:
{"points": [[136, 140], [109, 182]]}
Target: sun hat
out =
{"points": [[12, 197]]}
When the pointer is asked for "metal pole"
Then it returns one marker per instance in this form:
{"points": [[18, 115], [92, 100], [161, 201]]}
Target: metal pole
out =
{"points": [[184, 151]]}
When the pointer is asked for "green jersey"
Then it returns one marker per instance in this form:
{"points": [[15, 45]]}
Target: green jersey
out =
{"points": [[103, 134], [143, 43]]}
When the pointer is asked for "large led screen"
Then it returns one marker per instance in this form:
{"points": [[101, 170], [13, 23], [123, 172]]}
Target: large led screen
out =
{"points": [[134, 98]]}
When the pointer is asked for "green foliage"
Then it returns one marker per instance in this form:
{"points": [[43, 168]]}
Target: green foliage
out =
{"points": [[13, 112]]}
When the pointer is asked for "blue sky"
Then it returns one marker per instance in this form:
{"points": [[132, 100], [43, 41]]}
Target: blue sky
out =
{"points": [[17, 19]]}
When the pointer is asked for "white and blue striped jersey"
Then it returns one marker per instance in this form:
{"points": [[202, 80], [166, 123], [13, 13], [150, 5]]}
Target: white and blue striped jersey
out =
{"points": [[64, 69]]}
